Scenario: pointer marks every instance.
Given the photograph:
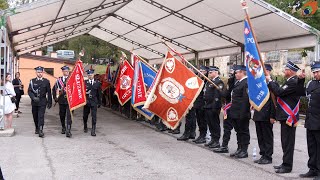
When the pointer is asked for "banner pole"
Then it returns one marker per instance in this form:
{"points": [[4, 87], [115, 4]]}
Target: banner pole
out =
{"points": [[245, 8], [209, 80]]}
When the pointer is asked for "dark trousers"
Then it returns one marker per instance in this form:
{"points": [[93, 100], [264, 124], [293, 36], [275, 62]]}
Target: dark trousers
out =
{"points": [[241, 126], [1, 175], [202, 123], [38, 115], [288, 137], [64, 112], [18, 98], [227, 128], [313, 141], [190, 126], [265, 138], [213, 120], [86, 111]]}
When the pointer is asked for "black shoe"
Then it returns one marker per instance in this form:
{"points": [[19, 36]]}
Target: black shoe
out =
{"points": [[209, 143], [176, 131], [283, 170], [214, 145], [63, 131], [199, 137], [192, 135], [265, 161], [258, 160], [41, 134], [309, 174], [221, 149], [68, 134], [242, 154], [85, 129], [36, 131], [183, 137], [93, 131], [235, 153], [277, 167], [200, 140]]}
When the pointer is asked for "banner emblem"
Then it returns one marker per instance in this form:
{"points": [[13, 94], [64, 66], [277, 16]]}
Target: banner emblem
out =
{"points": [[171, 90], [172, 115], [125, 82], [170, 65]]}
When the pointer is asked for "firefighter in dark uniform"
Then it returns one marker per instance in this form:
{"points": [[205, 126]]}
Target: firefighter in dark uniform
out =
{"points": [[60, 96], [93, 94], [40, 93], [240, 112], [312, 122], [264, 120], [212, 107], [290, 101], [190, 126], [198, 106], [227, 123]]}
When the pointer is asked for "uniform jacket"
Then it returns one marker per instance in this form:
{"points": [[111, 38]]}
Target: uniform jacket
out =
{"points": [[240, 108], [288, 93], [93, 93], [312, 91], [60, 87], [212, 95], [40, 88]]}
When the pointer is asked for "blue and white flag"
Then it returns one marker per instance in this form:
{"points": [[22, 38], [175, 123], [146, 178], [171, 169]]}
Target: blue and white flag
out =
{"points": [[257, 85], [143, 78]]}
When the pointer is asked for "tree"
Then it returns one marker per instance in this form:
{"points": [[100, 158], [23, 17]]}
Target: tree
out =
{"points": [[3, 4], [294, 7]]}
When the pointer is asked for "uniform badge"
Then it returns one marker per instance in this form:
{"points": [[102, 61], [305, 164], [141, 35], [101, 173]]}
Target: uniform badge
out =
{"points": [[125, 82], [170, 65], [171, 90], [285, 87], [172, 115]]}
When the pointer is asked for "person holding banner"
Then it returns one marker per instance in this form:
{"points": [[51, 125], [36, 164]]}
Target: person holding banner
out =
{"points": [[93, 95], [198, 106], [287, 113], [227, 123], [240, 112], [264, 120], [212, 107], [312, 122], [59, 96], [40, 93]]}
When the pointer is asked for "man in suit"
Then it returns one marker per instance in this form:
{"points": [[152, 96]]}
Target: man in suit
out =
{"points": [[227, 123], [93, 94], [40, 93], [312, 121], [240, 112], [60, 96], [198, 106], [287, 110], [212, 107], [264, 120]]}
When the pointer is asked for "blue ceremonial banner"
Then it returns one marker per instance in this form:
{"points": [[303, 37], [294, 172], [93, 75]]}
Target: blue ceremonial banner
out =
{"points": [[143, 78], [257, 85]]}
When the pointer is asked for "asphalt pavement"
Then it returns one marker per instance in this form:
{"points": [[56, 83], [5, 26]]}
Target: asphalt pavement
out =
{"points": [[127, 149]]}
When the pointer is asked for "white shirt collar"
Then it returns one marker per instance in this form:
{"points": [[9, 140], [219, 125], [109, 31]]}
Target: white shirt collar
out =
{"points": [[290, 77], [39, 79], [243, 78]]}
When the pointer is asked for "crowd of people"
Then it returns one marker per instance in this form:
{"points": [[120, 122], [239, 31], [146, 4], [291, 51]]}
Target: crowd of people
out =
{"points": [[230, 97]]}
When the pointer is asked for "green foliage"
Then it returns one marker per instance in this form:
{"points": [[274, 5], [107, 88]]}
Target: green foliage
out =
{"points": [[3, 4], [288, 6], [92, 46]]}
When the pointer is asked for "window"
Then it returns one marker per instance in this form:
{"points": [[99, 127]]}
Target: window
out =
{"points": [[49, 71]]}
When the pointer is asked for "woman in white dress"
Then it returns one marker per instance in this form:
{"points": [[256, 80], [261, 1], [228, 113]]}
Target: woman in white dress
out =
{"points": [[9, 106]]}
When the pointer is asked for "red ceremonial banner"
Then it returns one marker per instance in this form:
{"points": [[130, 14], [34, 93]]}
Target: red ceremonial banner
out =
{"points": [[75, 87], [124, 83], [174, 91], [138, 86]]}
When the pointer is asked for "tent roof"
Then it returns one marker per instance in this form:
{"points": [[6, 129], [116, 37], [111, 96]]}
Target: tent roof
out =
{"points": [[207, 27]]}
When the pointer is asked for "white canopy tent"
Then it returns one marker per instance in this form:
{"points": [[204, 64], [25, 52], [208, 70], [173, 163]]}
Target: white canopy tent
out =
{"points": [[196, 28]]}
